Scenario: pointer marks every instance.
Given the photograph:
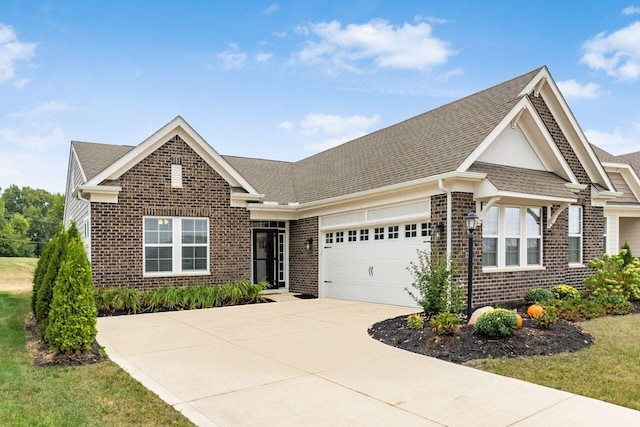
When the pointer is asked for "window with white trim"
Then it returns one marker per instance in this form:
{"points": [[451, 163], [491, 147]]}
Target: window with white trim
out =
{"points": [[410, 230], [605, 233], [575, 234], [393, 232], [512, 237], [175, 245], [328, 238], [339, 236], [425, 229], [378, 233], [364, 234], [353, 235]]}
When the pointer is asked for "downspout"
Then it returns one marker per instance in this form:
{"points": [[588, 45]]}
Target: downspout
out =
{"points": [[448, 227]]}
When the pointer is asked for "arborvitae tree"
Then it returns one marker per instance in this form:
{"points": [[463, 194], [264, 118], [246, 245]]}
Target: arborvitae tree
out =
{"points": [[45, 290], [73, 315], [626, 253], [41, 269]]}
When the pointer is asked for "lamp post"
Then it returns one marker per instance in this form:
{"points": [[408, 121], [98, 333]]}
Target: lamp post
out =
{"points": [[472, 223]]}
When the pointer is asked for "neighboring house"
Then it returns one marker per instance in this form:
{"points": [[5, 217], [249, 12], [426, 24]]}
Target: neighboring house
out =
{"points": [[347, 222], [622, 215]]}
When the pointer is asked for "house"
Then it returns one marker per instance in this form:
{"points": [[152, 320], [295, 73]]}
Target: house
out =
{"points": [[346, 222], [622, 215]]}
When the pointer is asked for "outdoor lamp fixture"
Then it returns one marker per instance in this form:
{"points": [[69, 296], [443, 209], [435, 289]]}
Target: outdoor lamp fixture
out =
{"points": [[308, 243], [472, 223], [439, 230]]}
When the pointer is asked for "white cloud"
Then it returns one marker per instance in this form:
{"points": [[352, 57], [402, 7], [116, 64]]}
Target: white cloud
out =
{"points": [[616, 142], [12, 51], [271, 9], [233, 60], [451, 73], [280, 34], [45, 107], [263, 56], [329, 130], [430, 19], [33, 139], [410, 47], [630, 10], [286, 125], [573, 89], [618, 53]]}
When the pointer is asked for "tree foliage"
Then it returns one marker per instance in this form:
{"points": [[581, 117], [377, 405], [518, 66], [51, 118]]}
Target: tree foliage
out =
{"points": [[42, 212], [73, 315], [45, 289]]}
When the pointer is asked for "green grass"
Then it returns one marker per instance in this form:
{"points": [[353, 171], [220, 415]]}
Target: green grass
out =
{"points": [[91, 395], [609, 370], [16, 271]]}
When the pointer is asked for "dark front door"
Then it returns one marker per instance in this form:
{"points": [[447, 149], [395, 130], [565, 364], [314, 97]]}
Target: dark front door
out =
{"points": [[266, 255]]}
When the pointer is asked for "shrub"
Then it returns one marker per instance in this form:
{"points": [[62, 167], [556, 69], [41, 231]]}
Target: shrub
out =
{"points": [[445, 323], [497, 323], [73, 314], [612, 277], [538, 295], [41, 269], [615, 304], [625, 253], [565, 292], [578, 309], [437, 291], [545, 319], [45, 289], [414, 321]]}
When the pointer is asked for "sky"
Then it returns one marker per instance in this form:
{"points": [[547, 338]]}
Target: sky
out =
{"points": [[283, 80]]}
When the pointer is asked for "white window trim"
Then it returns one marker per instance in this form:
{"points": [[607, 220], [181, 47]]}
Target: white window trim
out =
{"points": [[579, 263], [501, 244], [176, 249]]}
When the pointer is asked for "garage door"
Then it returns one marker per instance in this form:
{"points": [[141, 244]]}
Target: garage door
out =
{"points": [[370, 264]]}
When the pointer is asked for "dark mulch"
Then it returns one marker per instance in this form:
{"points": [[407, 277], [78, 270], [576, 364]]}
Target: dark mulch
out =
{"points": [[305, 296], [42, 355], [467, 345]]}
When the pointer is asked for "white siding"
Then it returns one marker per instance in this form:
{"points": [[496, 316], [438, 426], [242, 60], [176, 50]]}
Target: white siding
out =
{"points": [[630, 232], [76, 209]]}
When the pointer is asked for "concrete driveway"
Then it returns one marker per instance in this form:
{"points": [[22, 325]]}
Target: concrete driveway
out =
{"points": [[311, 362]]}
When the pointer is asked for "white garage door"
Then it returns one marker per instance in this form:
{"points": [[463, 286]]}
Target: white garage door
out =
{"points": [[370, 264]]}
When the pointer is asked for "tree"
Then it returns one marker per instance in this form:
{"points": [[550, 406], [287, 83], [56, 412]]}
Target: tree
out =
{"points": [[14, 241], [45, 290], [41, 270], [42, 209], [73, 315]]}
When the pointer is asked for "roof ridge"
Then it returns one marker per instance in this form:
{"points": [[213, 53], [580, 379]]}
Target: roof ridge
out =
{"points": [[255, 158]]}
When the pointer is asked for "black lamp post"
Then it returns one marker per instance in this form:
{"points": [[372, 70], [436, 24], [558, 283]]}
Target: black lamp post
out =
{"points": [[472, 223]]}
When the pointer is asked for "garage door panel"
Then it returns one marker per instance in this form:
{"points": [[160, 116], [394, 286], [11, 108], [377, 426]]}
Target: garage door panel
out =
{"points": [[374, 270]]}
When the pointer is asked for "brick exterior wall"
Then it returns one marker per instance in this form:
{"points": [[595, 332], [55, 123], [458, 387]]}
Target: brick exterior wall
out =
{"points": [[303, 264], [503, 287], [116, 229]]}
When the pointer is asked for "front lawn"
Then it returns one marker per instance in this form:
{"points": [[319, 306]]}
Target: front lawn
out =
{"points": [[609, 370], [100, 394]]}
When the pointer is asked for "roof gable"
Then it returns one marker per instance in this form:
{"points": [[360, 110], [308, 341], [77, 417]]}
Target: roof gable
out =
{"points": [[180, 127], [94, 158]]}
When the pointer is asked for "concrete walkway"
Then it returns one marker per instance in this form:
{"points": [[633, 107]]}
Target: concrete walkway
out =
{"points": [[311, 362]]}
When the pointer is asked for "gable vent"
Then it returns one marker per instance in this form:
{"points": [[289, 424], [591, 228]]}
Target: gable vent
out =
{"points": [[176, 176]]}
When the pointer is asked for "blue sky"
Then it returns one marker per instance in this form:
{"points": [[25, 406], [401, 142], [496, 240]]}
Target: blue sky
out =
{"points": [[283, 80]]}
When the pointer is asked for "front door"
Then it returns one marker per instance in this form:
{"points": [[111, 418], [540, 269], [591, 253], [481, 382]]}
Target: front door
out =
{"points": [[267, 254]]}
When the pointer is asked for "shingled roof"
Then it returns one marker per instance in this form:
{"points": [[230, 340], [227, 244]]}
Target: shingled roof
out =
{"points": [[633, 159], [429, 144], [94, 157]]}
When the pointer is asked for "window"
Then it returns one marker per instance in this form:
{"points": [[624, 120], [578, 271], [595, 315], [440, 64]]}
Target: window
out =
{"points": [[534, 236], [339, 236], [512, 237], [364, 234], [410, 230], [378, 233], [425, 229], [575, 234], [605, 233], [176, 245], [490, 238], [353, 235], [328, 238], [393, 232]]}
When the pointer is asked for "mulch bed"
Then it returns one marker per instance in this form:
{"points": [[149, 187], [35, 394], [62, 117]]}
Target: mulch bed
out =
{"points": [[42, 355], [467, 345]]}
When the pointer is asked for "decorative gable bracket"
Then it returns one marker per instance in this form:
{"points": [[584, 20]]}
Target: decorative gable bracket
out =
{"points": [[551, 218]]}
